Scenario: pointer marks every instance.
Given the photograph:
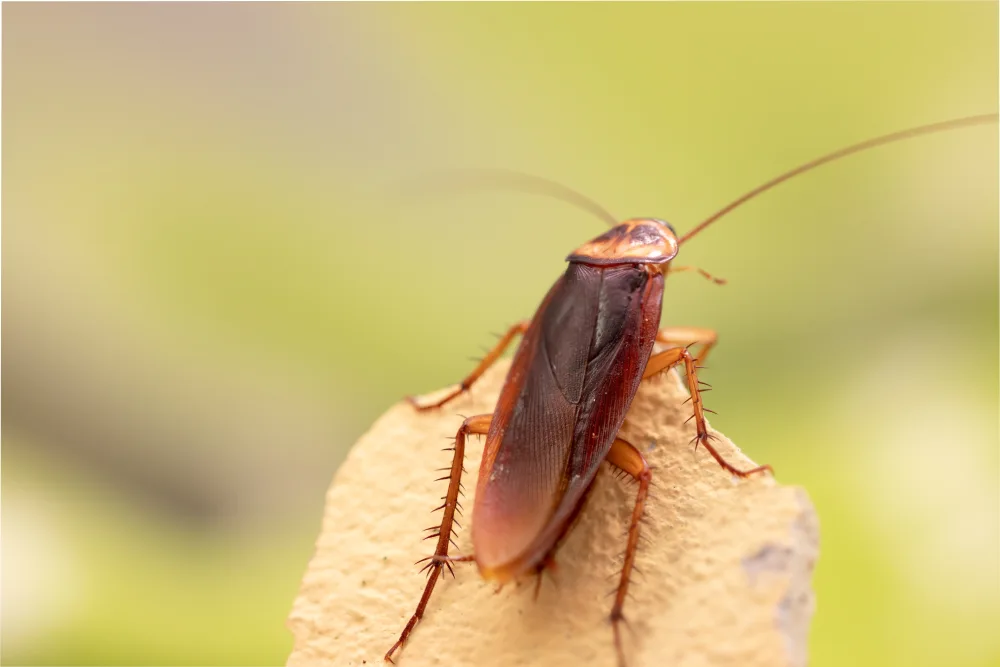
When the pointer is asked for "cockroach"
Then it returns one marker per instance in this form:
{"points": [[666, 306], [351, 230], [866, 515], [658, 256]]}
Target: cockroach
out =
{"points": [[578, 366]]}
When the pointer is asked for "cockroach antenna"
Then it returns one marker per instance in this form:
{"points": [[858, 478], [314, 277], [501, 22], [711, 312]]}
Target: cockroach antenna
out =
{"points": [[507, 179], [836, 155], [486, 178]]}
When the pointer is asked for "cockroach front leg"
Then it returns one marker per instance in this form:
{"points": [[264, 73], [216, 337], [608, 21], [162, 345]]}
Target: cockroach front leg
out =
{"points": [[627, 458], [703, 272], [685, 336], [478, 425], [661, 362], [487, 361]]}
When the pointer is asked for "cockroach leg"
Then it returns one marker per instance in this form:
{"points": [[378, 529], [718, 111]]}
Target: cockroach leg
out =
{"points": [[661, 362], [487, 361], [549, 563], [479, 425], [703, 272], [455, 559], [628, 459], [444, 560], [682, 336]]}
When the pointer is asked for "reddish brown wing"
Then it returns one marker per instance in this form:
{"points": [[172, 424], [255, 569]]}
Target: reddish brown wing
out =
{"points": [[565, 398]]}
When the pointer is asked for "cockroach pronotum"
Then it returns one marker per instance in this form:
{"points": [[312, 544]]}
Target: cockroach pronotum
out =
{"points": [[570, 384]]}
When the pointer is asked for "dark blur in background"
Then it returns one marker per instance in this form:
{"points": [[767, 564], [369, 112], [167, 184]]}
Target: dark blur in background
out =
{"points": [[211, 287]]}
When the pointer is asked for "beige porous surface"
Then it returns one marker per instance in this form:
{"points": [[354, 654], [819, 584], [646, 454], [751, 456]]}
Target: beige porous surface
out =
{"points": [[725, 571]]}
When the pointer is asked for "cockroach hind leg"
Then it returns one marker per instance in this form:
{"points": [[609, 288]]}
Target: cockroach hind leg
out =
{"points": [[440, 559], [617, 619]]}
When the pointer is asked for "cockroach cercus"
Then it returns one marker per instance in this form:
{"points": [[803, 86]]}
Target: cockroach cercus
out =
{"points": [[570, 384]]}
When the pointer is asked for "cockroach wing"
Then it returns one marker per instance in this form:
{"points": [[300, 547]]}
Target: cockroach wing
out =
{"points": [[565, 398]]}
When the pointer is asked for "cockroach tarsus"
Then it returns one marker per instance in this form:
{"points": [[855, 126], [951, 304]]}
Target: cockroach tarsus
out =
{"points": [[572, 379]]}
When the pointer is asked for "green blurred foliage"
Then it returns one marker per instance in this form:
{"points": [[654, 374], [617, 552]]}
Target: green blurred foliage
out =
{"points": [[213, 285]]}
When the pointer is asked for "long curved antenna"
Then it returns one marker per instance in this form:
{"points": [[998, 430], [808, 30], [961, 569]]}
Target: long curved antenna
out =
{"points": [[843, 152], [485, 179]]}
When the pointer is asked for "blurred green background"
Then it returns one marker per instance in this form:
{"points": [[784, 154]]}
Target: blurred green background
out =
{"points": [[211, 287]]}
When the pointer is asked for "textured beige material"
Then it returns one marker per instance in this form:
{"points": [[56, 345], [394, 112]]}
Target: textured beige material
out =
{"points": [[725, 574]]}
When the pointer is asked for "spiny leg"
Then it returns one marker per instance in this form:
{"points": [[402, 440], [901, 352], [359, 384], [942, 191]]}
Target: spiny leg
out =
{"points": [[480, 424], [487, 361], [685, 336], [627, 458], [659, 363]]}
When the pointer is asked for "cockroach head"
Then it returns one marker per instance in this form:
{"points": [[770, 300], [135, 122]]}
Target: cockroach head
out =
{"points": [[636, 241]]}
